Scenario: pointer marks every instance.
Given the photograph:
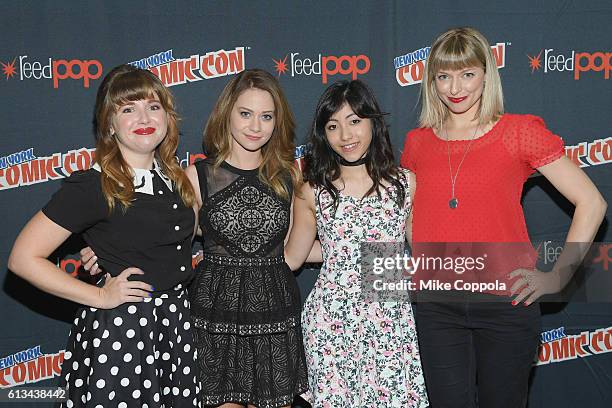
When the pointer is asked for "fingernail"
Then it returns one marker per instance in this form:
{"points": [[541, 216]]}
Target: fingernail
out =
{"points": [[153, 288], [150, 295], [526, 304], [514, 303]]}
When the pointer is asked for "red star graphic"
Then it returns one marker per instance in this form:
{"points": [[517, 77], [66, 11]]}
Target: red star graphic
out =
{"points": [[604, 256], [281, 65], [538, 250], [9, 69], [534, 62]]}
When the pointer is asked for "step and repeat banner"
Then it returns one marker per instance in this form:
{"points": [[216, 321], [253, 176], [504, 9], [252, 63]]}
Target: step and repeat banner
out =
{"points": [[554, 59]]}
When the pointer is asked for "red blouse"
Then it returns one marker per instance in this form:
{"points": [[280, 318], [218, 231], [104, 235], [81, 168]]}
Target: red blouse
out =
{"points": [[488, 188], [489, 184]]}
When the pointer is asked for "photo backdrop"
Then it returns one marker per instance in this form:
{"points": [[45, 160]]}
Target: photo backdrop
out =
{"points": [[554, 59]]}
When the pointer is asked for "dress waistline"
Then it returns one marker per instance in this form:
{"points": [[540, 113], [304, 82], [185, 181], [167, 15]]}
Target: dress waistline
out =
{"points": [[239, 261]]}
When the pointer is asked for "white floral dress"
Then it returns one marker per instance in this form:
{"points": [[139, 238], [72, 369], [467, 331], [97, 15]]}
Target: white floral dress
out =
{"points": [[359, 353]]}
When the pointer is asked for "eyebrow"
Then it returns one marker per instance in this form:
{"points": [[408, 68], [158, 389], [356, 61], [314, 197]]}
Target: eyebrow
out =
{"points": [[132, 103], [462, 70], [251, 110], [346, 117]]}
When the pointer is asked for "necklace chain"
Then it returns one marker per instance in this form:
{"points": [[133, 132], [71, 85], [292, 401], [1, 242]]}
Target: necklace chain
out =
{"points": [[453, 203]]}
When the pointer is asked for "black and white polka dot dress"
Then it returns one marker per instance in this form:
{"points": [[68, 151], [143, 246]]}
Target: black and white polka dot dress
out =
{"points": [[137, 354]]}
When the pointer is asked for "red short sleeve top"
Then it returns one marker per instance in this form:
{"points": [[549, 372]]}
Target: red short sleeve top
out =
{"points": [[489, 184]]}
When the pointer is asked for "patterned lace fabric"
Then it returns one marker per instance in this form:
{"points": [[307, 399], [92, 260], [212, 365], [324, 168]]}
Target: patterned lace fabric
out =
{"points": [[245, 300], [241, 216]]}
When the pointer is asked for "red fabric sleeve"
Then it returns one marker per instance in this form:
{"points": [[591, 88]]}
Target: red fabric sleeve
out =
{"points": [[538, 145], [407, 160]]}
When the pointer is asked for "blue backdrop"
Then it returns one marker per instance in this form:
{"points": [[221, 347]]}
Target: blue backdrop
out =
{"points": [[554, 59]]}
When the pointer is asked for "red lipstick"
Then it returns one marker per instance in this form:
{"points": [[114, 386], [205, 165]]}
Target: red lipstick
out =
{"points": [[145, 131], [457, 100]]}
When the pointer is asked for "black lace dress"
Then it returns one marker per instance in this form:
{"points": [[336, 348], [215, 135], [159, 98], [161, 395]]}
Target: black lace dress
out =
{"points": [[245, 300]]}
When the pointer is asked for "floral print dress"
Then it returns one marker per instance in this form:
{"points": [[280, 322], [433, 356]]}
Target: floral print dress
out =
{"points": [[359, 353]]}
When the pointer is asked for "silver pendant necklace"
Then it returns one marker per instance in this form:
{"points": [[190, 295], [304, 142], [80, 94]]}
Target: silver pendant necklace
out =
{"points": [[453, 202]]}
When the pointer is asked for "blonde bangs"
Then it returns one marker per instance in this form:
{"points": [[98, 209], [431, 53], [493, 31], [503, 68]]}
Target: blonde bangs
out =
{"points": [[457, 55], [457, 49]]}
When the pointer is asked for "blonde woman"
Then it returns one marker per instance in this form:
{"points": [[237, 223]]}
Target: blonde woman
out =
{"points": [[471, 160]]}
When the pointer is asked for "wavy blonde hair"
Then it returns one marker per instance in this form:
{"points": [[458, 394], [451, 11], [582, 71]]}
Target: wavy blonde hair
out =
{"points": [[278, 155], [121, 85], [456, 49]]}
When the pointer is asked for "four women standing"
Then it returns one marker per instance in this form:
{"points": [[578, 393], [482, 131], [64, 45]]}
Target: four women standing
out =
{"points": [[245, 301]]}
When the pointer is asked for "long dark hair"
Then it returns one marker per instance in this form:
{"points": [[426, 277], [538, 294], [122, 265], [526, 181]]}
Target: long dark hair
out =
{"points": [[322, 164]]}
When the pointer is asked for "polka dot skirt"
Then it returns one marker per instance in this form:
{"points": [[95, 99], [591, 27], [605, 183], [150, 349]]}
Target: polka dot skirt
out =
{"points": [[136, 355]]}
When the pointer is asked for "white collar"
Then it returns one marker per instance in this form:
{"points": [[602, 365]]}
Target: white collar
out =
{"points": [[143, 179]]}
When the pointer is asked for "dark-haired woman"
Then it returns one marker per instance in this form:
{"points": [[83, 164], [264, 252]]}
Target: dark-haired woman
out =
{"points": [[360, 353]]}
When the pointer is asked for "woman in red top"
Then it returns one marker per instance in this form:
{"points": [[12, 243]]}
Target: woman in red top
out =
{"points": [[470, 161]]}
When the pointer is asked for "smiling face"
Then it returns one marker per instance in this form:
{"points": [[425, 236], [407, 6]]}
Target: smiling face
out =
{"points": [[460, 90], [252, 120], [139, 127], [348, 134]]}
